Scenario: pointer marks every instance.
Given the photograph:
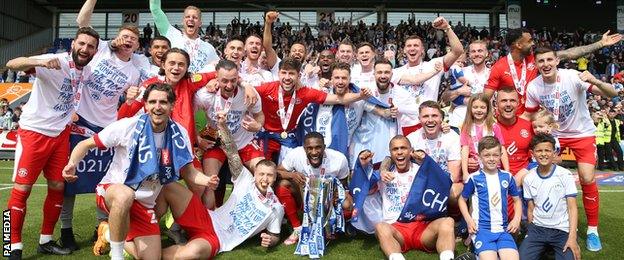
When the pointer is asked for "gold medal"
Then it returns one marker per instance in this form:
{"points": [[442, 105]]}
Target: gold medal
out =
{"points": [[284, 135]]}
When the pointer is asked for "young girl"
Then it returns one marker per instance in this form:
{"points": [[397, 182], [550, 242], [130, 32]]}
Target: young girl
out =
{"points": [[544, 123], [479, 122]]}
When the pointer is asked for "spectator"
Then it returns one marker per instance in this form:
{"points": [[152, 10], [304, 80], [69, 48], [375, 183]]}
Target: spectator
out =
{"points": [[147, 32], [17, 112]]}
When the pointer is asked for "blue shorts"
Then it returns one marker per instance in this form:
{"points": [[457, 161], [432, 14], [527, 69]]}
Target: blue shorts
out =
{"points": [[486, 240], [539, 239]]}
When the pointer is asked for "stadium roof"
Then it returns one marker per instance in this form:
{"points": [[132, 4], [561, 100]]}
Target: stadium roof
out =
{"points": [[74, 5]]}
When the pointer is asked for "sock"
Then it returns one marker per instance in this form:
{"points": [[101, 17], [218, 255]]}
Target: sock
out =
{"points": [[446, 255], [591, 203], [17, 246], [592, 230], [290, 206], [117, 249], [67, 214], [17, 205], [396, 256], [51, 210], [44, 239]]}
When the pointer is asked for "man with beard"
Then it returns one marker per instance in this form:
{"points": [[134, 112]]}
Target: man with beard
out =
{"points": [[115, 69], [326, 59], [158, 46], [414, 94], [312, 160], [44, 135], [283, 103], [477, 75], [250, 70], [517, 69], [243, 122], [298, 51], [201, 52], [563, 93]]}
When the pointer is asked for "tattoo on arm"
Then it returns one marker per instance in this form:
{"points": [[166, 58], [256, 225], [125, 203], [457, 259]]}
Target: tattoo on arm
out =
{"points": [[385, 164], [575, 52], [227, 143]]}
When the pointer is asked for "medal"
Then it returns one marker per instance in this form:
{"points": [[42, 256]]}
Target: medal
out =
{"points": [[284, 135]]}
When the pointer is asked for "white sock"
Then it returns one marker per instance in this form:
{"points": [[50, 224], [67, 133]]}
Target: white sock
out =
{"points": [[44, 239], [396, 256], [446, 255], [17, 246], [117, 249], [592, 230]]}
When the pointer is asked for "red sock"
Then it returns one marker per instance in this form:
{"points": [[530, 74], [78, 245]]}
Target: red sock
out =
{"points": [[51, 210], [591, 203], [17, 205], [290, 206]]}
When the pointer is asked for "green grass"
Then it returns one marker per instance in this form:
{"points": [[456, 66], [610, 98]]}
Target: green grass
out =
{"points": [[361, 247]]}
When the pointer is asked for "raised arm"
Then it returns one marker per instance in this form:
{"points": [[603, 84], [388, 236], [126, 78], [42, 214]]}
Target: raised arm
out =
{"points": [[456, 47], [575, 52], [602, 88], [84, 16], [409, 79], [160, 19], [267, 38], [27, 63], [228, 145]]}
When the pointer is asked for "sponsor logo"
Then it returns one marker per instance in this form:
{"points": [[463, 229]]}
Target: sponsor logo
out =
{"points": [[22, 172]]}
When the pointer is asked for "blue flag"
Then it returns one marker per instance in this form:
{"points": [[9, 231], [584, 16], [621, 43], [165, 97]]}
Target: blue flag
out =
{"points": [[367, 207], [142, 154], [428, 197], [92, 168]]}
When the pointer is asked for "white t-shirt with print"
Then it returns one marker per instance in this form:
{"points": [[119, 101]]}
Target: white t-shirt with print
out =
{"points": [[105, 80], [394, 193], [446, 147], [201, 52], [334, 163], [51, 103], [574, 119], [246, 213], [205, 101], [119, 135], [550, 195], [409, 97]]}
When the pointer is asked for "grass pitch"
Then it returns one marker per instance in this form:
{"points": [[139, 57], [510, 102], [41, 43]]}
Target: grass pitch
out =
{"points": [[361, 247]]}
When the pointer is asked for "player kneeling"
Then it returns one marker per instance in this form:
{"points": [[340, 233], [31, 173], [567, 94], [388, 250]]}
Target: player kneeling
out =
{"points": [[251, 208]]}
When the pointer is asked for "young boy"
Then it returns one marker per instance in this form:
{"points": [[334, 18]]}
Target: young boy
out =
{"points": [[488, 189], [552, 212]]}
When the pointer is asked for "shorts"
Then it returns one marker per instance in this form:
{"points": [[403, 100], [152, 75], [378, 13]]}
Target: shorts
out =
{"points": [[36, 152], [539, 239], [584, 148], [247, 153], [412, 233], [197, 223], [409, 129], [143, 221], [486, 240]]}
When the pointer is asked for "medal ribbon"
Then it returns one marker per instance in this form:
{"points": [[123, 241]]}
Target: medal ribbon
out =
{"points": [[518, 83], [282, 113]]}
